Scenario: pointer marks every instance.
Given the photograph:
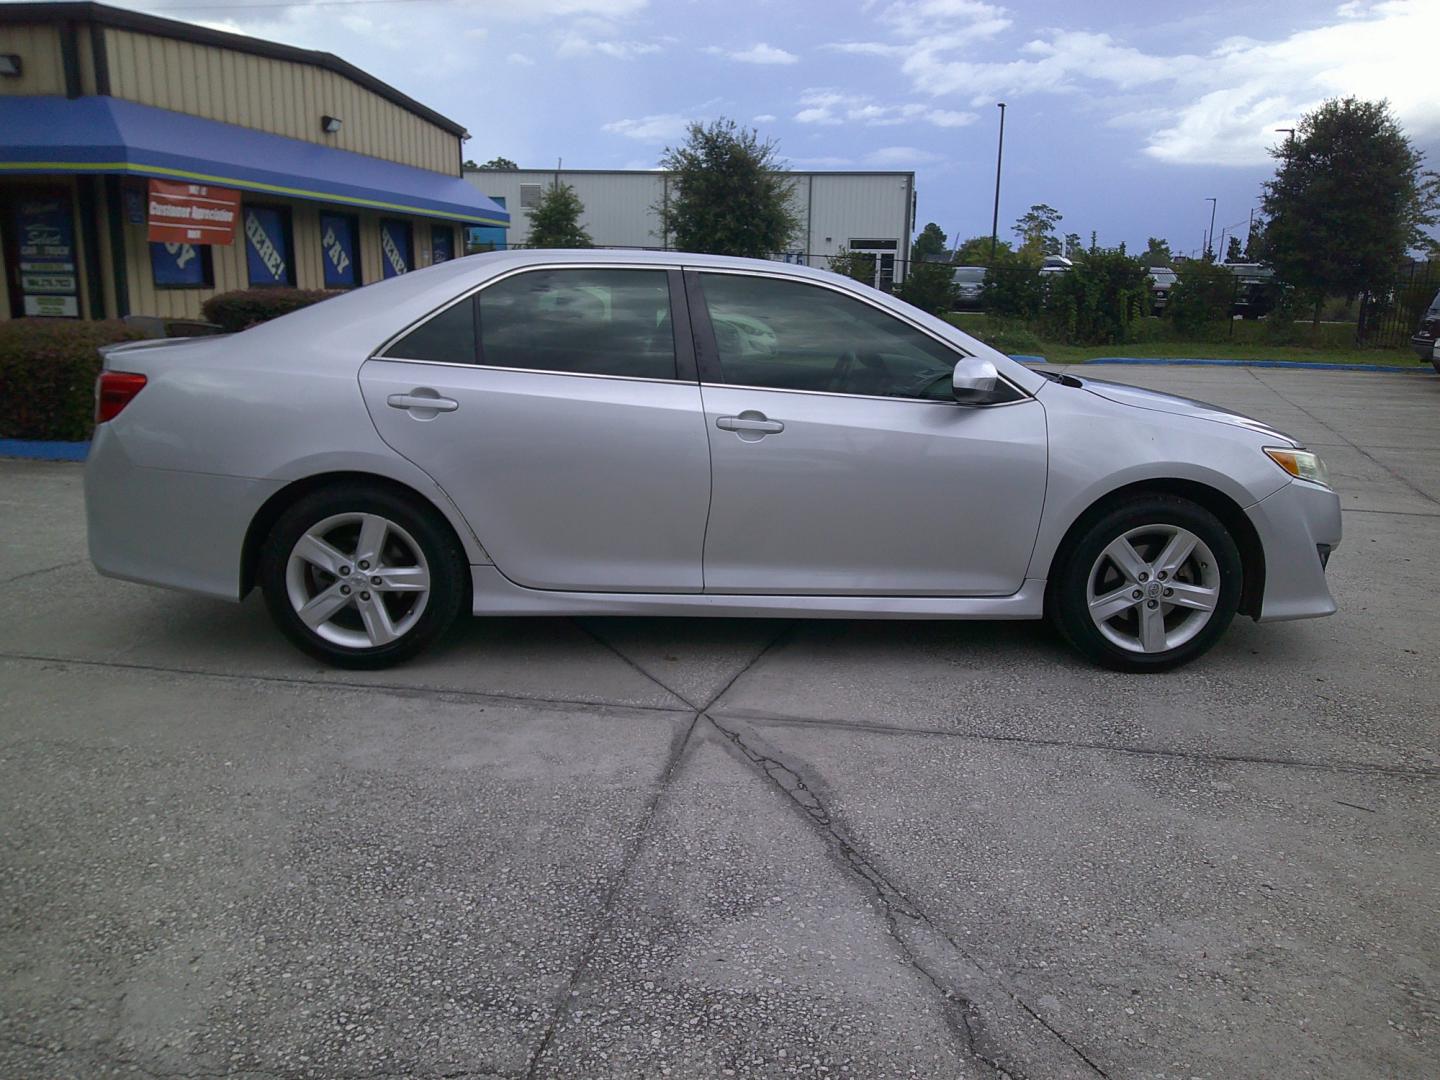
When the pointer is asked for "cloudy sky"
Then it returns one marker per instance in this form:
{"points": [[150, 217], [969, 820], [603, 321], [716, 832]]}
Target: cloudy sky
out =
{"points": [[1123, 115]]}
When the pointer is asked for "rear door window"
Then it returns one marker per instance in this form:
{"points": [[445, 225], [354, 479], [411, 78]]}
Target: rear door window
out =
{"points": [[580, 322]]}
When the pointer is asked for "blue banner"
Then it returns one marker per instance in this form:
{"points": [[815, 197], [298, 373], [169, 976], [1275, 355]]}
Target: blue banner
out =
{"points": [[395, 250], [442, 243], [177, 265], [340, 247], [267, 248]]}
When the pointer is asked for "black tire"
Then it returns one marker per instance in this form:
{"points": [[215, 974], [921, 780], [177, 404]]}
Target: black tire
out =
{"points": [[449, 572], [1068, 601]]}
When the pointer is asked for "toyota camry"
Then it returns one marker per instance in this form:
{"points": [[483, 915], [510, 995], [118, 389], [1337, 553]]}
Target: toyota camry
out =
{"points": [[603, 432]]}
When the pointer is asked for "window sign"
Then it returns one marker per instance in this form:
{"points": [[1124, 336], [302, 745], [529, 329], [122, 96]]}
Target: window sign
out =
{"points": [[340, 249], [177, 265], [267, 246], [442, 243], [48, 275], [395, 251], [192, 213]]}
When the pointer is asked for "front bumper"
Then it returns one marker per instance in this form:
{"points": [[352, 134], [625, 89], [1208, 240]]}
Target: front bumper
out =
{"points": [[1294, 525]]}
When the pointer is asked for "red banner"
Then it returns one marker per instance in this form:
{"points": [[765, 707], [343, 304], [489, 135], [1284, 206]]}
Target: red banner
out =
{"points": [[192, 213]]}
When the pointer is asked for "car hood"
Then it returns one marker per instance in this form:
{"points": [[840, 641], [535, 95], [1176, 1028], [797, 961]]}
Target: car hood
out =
{"points": [[1155, 401]]}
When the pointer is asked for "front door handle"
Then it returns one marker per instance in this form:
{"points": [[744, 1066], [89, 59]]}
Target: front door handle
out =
{"points": [[750, 422], [421, 400]]}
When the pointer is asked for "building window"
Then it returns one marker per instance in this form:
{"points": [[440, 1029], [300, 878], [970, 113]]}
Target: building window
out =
{"points": [[396, 248], [181, 266], [340, 250], [268, 244], [442, 244]]}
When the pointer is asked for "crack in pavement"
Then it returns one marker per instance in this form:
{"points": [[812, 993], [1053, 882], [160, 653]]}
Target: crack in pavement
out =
{"points": [[46, 570], [991, 989], [1418, 772], [399, 689]]}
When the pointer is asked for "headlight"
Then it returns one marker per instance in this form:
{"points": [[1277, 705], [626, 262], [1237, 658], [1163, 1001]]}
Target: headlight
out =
{"points": [[1301, 464]]}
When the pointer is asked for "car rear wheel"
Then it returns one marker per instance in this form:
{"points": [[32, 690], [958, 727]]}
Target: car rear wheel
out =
{"points": [[1148, 586], [362, 577]]}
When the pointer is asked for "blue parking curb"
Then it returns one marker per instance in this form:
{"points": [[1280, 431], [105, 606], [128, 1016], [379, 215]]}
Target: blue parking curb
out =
{"points": [[1308, 365], [40, 450]]}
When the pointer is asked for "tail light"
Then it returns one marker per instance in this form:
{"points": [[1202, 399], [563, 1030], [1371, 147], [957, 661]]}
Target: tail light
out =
{"points": [[113, 391]]}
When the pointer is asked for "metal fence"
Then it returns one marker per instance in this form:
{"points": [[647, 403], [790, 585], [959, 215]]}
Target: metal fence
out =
{"points": [[1388, 317]]}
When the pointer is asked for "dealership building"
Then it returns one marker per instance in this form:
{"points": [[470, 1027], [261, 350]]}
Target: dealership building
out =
{"points": [[869, 212], [147, 164]]}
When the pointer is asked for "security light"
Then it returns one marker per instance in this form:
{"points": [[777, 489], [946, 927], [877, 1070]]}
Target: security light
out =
{"points": [[330, 124], [10, 65]]}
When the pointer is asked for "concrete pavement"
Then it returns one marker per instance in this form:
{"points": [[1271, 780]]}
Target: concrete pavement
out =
{"points": [[632, 847]]}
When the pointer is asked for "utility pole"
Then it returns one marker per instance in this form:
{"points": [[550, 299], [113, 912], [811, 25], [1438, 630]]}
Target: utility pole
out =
{"points": [[1210, 236], [999, 156]]}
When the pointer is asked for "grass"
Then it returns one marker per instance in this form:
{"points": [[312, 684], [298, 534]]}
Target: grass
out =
{"points": [[1240, 340]]}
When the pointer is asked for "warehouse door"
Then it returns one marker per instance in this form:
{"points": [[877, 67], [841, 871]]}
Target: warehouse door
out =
{"points": [[882, 254]]}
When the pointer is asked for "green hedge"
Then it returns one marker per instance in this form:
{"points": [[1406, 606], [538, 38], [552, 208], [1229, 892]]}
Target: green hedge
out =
{"points": [[47, 375], [243, 308]]}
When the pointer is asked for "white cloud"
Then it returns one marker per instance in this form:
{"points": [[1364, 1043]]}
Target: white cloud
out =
{"points": [[759, 53], [578, 43], [825, 161], [521, 59], [653, 128], [1216, 107], [834, 107], [764, 118], [901, 157]]}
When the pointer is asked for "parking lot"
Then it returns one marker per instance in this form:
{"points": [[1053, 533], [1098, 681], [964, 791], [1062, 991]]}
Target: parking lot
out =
{"points": [[648, 847]]}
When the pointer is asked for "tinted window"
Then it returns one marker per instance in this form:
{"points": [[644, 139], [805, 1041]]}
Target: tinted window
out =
{"points": [[590, 322], [447, 338], [793, 336]]}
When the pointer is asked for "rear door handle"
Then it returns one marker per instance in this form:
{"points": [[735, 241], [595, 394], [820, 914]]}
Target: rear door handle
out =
{"points": [[752, 422], [432, 401]]}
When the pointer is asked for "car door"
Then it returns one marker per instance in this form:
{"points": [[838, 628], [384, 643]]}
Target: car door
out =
{"points": [[840, 462], [556, 410]]}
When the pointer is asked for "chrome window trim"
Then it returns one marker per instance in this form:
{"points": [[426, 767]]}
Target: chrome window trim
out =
{"points": [[527, 371], [869, 303], [1022, 399]]}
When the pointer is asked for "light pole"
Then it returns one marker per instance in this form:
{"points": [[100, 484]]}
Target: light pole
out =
{"points": [[1210, 236], [999, 156]]}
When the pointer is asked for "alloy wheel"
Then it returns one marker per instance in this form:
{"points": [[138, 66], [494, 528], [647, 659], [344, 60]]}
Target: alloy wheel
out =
{"points": [[358, 580], [1153, 588]]}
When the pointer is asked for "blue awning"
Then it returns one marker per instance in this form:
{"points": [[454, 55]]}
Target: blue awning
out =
{"points": [[109, 135]]}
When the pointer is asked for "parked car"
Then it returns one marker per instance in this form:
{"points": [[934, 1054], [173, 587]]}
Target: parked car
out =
{"points": [[969, 287], [1427, 335], [1162, 280], [1256, 289], [456, 440]]}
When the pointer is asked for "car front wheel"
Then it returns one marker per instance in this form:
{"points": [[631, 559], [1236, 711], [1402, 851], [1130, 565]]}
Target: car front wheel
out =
{"points": [[1148, 586], [362, 577]]}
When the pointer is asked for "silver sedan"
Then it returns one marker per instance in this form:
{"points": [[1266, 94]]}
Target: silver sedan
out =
{"points": [[580, 433]]}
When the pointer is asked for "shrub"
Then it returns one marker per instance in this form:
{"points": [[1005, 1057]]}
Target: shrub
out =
{"points": [[929, 287], [1202, 298], [242, 308], [47, 375], [1098, 300], [1012, 291], [856, 265]]}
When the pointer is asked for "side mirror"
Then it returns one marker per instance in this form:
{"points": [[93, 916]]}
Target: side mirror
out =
{"points": [[974, 381]]}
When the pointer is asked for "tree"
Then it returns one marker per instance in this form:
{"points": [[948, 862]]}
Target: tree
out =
{"points": [[929, 246], [1348, 200], [857, 265], [1036, 230], [929, 286], [555, 221], [976, 252], [728, 194], [1157, 252], [1232, 250], [1072, 245], [496, 164]]}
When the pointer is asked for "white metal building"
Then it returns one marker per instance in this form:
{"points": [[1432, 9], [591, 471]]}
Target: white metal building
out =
{"points": [[869, 212]]}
